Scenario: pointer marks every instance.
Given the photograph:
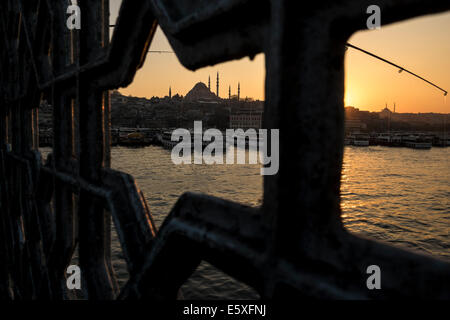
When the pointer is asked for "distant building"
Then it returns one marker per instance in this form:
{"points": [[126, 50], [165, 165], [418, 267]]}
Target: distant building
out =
{"points": [[246, 119], [354, 125], [201, 93], [385, 113], [239, 91]]}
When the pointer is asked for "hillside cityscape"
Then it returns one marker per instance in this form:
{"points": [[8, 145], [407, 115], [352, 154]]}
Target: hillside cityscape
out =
{"points": [[159, 114]]}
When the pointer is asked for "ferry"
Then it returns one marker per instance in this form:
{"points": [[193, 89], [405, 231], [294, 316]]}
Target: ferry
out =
{"points": [[389, 139], [441, 140], [166, 139], [358, 139], [206, 139], [252, 143]]}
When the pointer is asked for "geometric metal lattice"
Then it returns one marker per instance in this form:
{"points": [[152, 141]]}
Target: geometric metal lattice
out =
{"points": [[294, 245]]}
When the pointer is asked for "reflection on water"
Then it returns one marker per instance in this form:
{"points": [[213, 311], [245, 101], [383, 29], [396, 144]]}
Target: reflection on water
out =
{"points": [[396, 195]]}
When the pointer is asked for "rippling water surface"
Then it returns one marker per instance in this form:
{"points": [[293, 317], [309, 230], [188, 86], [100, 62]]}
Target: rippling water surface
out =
{"points": [[397, 195]]}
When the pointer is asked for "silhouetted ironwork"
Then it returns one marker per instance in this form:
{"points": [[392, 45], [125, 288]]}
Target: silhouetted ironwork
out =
{"points": [[294, 245]]}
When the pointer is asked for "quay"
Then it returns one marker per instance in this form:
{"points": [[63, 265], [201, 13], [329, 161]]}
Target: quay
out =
{"points": [[415, 140], [141, 137]]}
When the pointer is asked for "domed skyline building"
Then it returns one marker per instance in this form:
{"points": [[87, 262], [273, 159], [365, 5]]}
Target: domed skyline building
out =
{"points": [[202, 92]]}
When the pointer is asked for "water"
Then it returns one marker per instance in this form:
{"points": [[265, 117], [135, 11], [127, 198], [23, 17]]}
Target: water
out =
{"points": [[163, 182], [397, 195]]}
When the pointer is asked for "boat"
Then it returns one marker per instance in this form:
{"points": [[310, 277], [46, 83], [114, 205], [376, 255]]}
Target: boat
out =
{"points": [[252, 142], [166, 140], [358, 139], [205, 139], [417, 141], [131, 137], [441, 141]]}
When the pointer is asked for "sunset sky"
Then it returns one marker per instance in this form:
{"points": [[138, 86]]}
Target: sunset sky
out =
{"points": [[421, 45]]}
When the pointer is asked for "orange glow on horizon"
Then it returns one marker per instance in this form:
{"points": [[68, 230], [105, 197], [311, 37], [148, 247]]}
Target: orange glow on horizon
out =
{"points": [[421, 45]]}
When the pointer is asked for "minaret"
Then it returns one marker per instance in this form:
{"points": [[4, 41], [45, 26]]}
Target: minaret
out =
{"points": [[170, 92], [217, 85], [229, 92], [239, 90], [209, 83]]}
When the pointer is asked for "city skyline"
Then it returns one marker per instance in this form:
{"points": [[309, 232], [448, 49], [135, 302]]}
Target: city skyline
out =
{"points": [[390, 107], [421, 45], [233, 91]]}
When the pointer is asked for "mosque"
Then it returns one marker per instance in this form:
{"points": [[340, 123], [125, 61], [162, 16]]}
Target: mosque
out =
{"points": [[202, 93], [243, 114]]}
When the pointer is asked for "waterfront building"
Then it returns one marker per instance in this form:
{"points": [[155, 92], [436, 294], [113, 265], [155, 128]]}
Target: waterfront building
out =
{"points": [[246, 119]]}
